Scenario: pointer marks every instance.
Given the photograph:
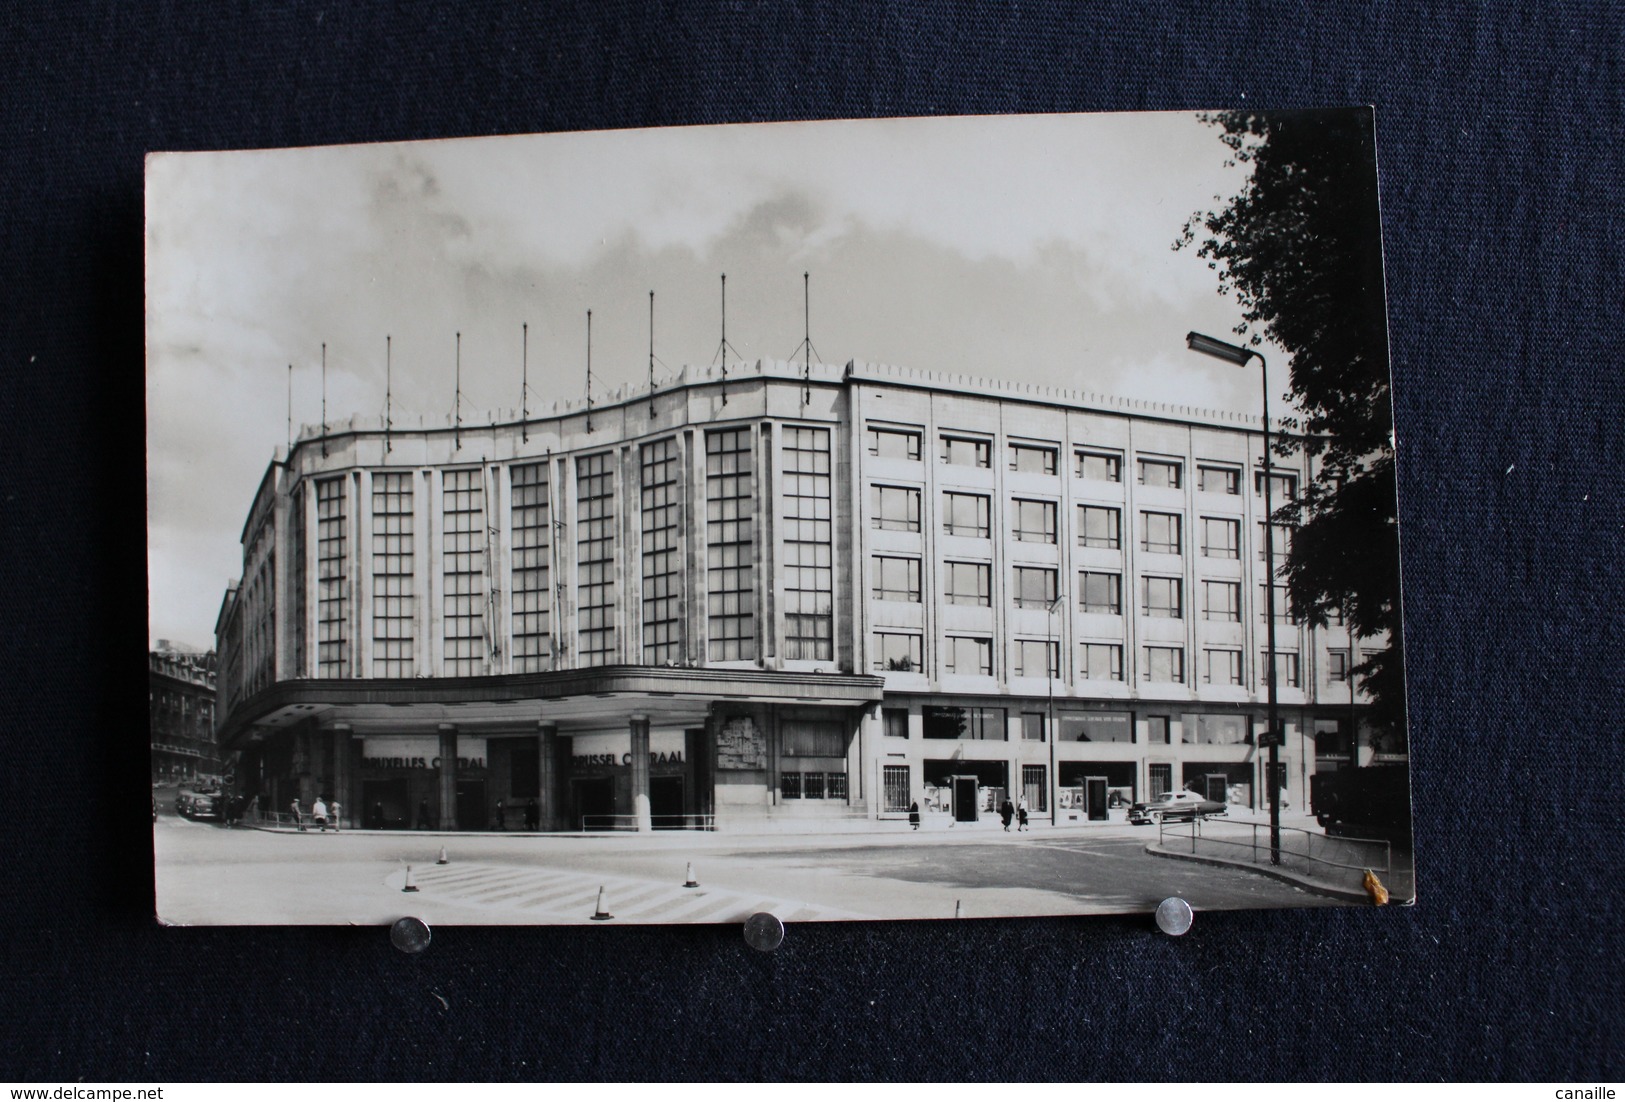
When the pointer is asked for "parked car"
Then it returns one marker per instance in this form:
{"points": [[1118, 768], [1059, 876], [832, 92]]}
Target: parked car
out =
{"points": [[1182, 805], [200, 805], [1138, 815]]}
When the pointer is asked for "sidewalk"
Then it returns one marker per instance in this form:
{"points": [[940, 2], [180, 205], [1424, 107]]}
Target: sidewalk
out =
{"points": [[1345, 883]]}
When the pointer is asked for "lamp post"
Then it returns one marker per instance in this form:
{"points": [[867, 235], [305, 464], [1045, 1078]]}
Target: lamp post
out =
{"points": [[1052, 661], [1236, 354]]}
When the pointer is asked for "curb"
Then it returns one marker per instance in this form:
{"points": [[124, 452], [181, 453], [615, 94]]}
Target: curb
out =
{"points": [[1320, 887]]}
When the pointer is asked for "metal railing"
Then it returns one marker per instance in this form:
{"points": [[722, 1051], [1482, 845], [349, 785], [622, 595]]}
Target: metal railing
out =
{"points": [[658, 822], [1252, 841]]}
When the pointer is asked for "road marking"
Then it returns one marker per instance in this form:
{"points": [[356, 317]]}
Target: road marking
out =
{"points": [[564, 896]]}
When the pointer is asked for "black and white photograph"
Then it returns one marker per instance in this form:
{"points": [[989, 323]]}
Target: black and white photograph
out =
{"points": [[936, 518]]}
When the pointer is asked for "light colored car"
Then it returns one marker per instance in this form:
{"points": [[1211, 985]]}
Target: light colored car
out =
{"points": [[1183, 805]]}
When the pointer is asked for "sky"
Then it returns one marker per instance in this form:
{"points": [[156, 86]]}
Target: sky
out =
{"points": [[1029, 248]]}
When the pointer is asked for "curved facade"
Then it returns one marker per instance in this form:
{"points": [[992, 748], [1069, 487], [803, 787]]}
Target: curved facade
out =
{"points": [[779, 594]]}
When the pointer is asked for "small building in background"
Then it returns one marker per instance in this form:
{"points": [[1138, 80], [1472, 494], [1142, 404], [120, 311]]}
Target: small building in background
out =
{"points": [[180, 713]]}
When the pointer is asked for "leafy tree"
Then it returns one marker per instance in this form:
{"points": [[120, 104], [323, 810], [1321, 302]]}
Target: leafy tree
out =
{"points": [[1300, 248]]}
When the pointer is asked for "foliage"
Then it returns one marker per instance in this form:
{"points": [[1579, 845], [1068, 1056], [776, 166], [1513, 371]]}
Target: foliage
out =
{"points": [[1300, 249]]}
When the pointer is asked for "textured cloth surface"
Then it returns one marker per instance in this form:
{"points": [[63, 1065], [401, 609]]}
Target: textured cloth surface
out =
{"points": [[1500, 134]]}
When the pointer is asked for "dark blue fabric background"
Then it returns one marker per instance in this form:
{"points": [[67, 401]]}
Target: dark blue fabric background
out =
{"points": [[1500, 136]]}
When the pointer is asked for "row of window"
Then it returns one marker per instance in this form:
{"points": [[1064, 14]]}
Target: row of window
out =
{"points": [[1195, 728], [1096, 464], [904, 652], [1032, 520], [897, 578]]}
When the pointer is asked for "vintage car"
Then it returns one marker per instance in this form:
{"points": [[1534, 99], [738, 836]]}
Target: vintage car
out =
{"points": [[1180, 805], [202, 805]]}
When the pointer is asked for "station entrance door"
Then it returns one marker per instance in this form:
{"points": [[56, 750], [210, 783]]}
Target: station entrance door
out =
{"points": [[966, 809]]}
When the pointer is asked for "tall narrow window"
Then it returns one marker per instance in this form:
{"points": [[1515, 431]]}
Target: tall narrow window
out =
{"points": [[531, 585], [1337, 665], [1033, 788], [1100, 526], [393, 599], [462, 545], [809, 578], [894, 780], [296, 537], [332, 580], [595, 560], [965, 515], [730, 547], [662, 580]]}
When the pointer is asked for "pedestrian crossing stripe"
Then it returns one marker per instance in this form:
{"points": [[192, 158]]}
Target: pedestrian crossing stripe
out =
{"points": [[557, 896]]}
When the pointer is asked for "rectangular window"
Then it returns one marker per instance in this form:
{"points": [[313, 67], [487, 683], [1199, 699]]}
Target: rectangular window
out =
{"points": [[895, 508], [1160, 533], [595, 557], [1035, 658], [1221, 601], [966, 515], [332, 580], [894, 782], [896, 722], [1160, 472], [894, 443], [809, 578], [1164, 664], [1337, 665], [1159, 733], [968, 583], [1274, 597], [1283, 541], [662, 555], [1221, 667], [296, 535], [1197, 729], [1097, 727], [1287, 672], [1100, 466], [790, 785], [1033, 788], [1283, 487], [531, 584], [967, 451], [896, 579], [1160, 598], [1221, 537], [835, 786], [1035, 586], [1100, 591], [393, 601], [730, 547], [462, 561], [805, 738], [812, 785], [1218, 480], [981, 724], [1331, 738], [1032, 458], [1033, 521], [968, 655], [1100, 526], [1102, 661], [897, 652], [1032, 726]]}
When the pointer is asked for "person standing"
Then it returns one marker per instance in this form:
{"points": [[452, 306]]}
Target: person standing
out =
{"points": [[333, 809], [298, 815], [318, 812], [1021, 814], [1007, 812], [423, 814], [533, 816], [914, 814], [502, 815]]}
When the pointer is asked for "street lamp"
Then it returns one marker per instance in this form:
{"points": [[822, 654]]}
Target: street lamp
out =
{"points": [[1236, 354], [1052, 662]]}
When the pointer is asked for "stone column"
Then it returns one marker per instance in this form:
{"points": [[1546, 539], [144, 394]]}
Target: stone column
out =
{"points": [[342, 733], [448, 776], [547, 737], [640, 771]]}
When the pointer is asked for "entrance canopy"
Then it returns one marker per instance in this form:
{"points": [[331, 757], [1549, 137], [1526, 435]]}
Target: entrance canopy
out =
{"points": [[575, 700]]}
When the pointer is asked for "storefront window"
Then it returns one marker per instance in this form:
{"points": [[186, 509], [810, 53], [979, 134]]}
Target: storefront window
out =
{"points": [[1213, 730], [964, 723], [1096, 727]]}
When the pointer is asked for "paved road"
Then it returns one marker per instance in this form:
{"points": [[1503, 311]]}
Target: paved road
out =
{"points": [[210, 875]]}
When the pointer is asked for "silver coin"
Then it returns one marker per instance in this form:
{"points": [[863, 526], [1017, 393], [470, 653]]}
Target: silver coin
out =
{"points": [[409, 935], [764, 931], [1173, 916]]}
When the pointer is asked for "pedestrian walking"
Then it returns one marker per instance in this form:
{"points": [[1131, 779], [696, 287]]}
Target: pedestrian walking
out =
{"points": [[318, 812], [423, 814], [533, 816], [298, 815], [334, 809], [914, 814], [1007, 812], [502, 816], [1021, 814]]}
